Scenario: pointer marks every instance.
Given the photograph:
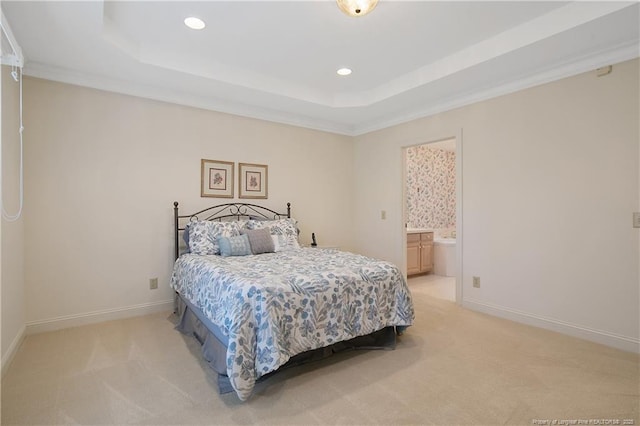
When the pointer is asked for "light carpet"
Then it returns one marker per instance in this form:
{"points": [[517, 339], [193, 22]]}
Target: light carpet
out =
{"points": [[454, 366]]}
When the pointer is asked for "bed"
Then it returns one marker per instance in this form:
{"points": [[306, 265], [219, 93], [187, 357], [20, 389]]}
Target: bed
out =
{"points": [[258, 302]]}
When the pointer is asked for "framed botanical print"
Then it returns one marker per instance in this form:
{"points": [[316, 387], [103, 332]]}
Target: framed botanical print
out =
{"points": [[217, 178], [252, 180]]}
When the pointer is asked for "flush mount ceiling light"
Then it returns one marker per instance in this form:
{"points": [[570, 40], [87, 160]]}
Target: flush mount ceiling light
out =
{"points": [[194, 23], [357, 7], [344, 71]]}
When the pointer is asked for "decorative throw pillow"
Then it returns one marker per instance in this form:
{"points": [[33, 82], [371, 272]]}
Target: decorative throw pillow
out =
{"points": [[203, 235], [234, 246], [260, 240], [284, 243]]}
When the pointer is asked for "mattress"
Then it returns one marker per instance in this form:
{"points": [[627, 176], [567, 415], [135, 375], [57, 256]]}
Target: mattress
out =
{"points": [[273, 306]]}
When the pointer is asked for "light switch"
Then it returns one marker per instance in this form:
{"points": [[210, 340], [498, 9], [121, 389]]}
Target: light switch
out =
{"points": [[383, 214], [636, 219]]}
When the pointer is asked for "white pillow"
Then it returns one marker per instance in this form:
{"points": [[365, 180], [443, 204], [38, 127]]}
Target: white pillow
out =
{"points": [[203, 235], [287, 226], [284, 243]]}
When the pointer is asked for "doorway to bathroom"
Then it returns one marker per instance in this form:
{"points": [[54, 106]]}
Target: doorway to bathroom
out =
{"points": [[431, 212]]}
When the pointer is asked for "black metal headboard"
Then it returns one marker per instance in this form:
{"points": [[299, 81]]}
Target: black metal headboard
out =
{"points": [[228, 211]]}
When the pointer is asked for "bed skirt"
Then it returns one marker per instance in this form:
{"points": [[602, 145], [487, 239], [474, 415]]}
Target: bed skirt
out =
{"points": [[192, 322]]}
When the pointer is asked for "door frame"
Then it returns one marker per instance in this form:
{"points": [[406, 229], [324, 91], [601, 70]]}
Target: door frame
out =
{"points": [[459, 207]]}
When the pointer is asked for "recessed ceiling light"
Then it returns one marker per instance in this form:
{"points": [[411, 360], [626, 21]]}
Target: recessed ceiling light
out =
{"points": [[194, 23], [344, 71]]}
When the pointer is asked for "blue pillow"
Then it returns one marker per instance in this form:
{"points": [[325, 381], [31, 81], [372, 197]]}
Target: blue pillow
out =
{"points": [[234, 246], [185, 237]]}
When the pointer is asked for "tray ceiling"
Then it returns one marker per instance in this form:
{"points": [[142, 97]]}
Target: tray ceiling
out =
{"points": [[277, 60]]}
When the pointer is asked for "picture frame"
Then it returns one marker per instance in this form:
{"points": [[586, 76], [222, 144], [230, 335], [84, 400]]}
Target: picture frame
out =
{"points": [[216, 178], [253, 180]]}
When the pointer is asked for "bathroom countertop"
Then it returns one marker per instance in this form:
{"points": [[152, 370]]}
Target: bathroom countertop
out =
{"points": [[418, 230]]}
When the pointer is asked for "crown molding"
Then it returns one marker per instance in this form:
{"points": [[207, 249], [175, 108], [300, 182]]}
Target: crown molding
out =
{"points": [[621, 53], [624, 52], [100, 82]]}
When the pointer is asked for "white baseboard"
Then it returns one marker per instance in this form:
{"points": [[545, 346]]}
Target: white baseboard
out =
{"points": [[13, 348], [625, 343], [97, 316]]}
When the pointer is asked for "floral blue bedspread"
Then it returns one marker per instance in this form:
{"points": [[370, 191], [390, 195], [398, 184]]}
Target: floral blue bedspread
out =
{"points": [[273, 306]]}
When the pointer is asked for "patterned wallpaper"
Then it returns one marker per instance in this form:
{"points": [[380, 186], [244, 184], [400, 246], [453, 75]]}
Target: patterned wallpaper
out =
{"points": [[431, 188]]}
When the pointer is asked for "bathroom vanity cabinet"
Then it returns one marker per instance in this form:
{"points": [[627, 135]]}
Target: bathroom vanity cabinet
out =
{"points": [[419, 252]]}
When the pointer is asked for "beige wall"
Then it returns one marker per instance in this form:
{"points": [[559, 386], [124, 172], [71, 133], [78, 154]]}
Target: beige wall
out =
{"points": [[550, 178], [13, 304], [103, 170], [550, 181]]}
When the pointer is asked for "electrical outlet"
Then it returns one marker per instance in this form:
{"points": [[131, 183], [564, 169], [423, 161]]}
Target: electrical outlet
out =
{"points": [[153, 283], [476, 282], [636, 219]]}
